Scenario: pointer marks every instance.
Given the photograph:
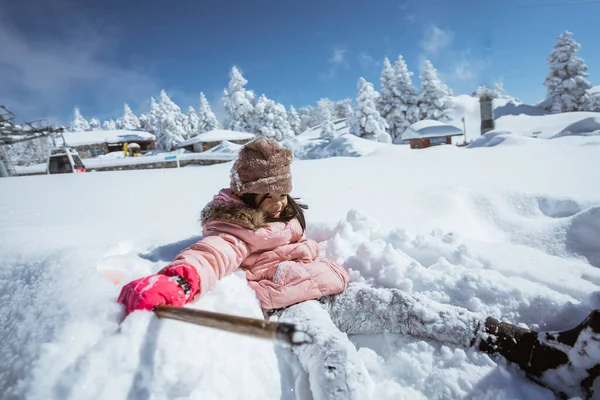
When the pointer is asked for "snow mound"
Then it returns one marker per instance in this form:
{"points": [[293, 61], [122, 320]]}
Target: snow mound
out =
{"points": [[346, 145], [548, 125], [583, 235], [495, 138], [586, 127]]}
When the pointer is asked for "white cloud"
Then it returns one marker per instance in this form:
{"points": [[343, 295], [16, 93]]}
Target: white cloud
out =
{"points": [[45, 79], [435, 39], [367, 61], [339, 57], [468, 67], [337, 61]]}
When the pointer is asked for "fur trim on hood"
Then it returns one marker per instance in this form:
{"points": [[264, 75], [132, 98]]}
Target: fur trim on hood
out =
{"points": [[226, 207]]}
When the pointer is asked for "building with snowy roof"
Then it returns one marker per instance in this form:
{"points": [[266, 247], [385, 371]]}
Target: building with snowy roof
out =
{"points": [[427, 133], [95, 143], [207, 140]]}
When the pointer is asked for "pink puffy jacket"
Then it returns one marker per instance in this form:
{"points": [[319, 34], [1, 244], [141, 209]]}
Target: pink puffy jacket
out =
{"points": [[282, 266]]}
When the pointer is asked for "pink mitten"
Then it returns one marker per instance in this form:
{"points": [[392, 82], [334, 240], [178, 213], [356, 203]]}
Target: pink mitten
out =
{"points": [[147, 293]]}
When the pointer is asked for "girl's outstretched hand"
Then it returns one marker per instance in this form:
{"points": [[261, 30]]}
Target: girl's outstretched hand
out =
{"points": [[148, 292]]}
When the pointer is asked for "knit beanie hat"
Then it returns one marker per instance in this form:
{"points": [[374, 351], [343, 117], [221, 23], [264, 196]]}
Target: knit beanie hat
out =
{"points": [[262, 167]]}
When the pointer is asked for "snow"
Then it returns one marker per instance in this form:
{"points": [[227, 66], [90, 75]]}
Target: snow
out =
{"points": [[429, 128], [515, 239], [112, 136], [217, 135]]}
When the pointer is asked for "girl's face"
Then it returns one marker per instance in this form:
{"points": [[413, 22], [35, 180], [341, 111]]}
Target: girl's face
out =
{"points": [[272, 203]]}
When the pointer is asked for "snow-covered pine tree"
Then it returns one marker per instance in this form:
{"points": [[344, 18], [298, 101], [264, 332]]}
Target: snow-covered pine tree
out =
{"points": [[594, 103], [294, 120], [386, 80], [207, 119], [167, 121], [94, 124], [327, 128], [307, 117], [325, 110], [271, 119], [109, 125], [129, 121], [567, 78], [398, 101], [239, 104], [434, 99], [153, 117], [79, 123], [144, 121], [193, 122], [343, 109], [366, 121]]}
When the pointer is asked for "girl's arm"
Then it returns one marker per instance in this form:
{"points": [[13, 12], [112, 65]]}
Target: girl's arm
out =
{"points": [[212, 258], [194, 271]]}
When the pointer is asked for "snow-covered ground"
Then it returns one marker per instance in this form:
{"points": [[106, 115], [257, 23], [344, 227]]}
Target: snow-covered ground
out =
{"points": [[509, 231]]}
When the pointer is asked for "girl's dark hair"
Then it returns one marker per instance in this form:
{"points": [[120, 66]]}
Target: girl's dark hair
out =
{"points": [[294, 209]]}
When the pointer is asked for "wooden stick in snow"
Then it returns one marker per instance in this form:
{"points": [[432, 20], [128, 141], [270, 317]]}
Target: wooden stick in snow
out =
{"points": [[281, 331]]}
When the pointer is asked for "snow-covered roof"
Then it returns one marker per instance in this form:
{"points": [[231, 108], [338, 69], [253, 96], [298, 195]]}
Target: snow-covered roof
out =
{"points": [[114, 136], [428, 128], [217, 135]]}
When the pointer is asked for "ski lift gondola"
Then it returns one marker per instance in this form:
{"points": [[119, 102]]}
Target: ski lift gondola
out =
{"points": [[64, 160]]}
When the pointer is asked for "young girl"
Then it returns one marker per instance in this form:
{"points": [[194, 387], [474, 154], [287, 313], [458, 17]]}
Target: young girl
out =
{"points": [[255, 225]]}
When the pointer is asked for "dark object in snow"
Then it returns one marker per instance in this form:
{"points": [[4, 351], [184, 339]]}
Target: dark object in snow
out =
{"points": [[548, 357], [260, 328]]}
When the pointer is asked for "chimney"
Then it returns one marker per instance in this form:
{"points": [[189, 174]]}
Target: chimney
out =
{"points": [[487, 114]]}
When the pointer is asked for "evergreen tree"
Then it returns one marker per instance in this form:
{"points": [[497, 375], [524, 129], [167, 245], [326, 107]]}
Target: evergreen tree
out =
{"points": [[328, 128], [271, 119], [398, 101], [144, 122], [366, 121], [434, 99], [308, 117], [193, 122], [239, 104], [343, 109], [129, 121], [79, 123], [109, 125], [94, 124], [207, 119], [166, 122], [294, 120], [566, 81]]}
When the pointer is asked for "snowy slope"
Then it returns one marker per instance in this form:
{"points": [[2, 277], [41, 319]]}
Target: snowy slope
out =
{"points": [[512, 239]]}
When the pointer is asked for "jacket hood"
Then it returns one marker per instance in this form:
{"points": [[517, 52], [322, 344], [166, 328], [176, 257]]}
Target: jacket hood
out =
{"points": [[227, 207]]}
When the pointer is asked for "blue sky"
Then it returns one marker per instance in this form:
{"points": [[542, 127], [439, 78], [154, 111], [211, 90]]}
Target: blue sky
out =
{"points": [[57, 54]]}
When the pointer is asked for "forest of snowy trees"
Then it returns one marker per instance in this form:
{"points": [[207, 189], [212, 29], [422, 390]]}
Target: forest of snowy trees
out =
{"points": [[376, 115]]}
